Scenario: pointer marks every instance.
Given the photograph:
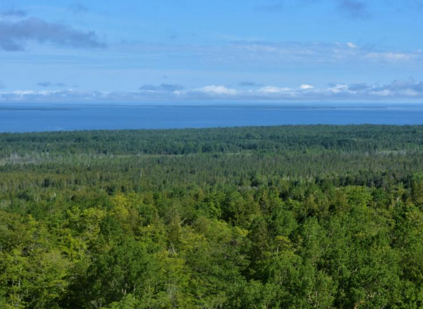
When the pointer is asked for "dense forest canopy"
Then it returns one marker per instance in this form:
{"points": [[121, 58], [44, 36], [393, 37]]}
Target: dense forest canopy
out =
{"points": [[221, 140], [255, 217]]}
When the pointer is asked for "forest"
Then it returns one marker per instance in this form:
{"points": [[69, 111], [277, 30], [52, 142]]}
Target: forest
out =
{"points": [[233, 218]]}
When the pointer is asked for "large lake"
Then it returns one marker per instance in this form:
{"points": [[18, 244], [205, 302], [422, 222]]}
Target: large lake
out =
{"points": [[49, 117]]}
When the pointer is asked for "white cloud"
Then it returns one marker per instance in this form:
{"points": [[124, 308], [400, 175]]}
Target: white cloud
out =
{"points": [[339, 88], [306, 87], [219, 90], [351, 45], [273, 90]]}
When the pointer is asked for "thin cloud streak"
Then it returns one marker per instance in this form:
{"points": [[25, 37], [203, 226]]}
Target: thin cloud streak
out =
{"points": [[277, 53], [166, 88], [51, 84], [352, 8]]}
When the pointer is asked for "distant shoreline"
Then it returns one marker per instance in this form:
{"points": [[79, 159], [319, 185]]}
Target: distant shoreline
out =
{"points": [[22, 118]]}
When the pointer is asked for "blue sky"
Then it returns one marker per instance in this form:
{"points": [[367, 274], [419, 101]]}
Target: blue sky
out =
{"points": [[186, 50]]}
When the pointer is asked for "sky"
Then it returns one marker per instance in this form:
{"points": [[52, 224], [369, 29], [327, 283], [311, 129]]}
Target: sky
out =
{"points": [[197, 50]]}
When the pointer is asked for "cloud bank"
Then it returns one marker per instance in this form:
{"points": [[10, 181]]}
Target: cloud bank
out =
{"points": [[396, 91], [16, 33], [13, 13]]}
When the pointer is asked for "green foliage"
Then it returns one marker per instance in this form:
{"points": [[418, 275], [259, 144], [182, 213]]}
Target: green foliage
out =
{"points": [[276, 217]]}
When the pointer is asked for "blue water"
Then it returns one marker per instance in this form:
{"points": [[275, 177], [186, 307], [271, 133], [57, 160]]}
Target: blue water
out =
{"points": [[39, 117]]}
